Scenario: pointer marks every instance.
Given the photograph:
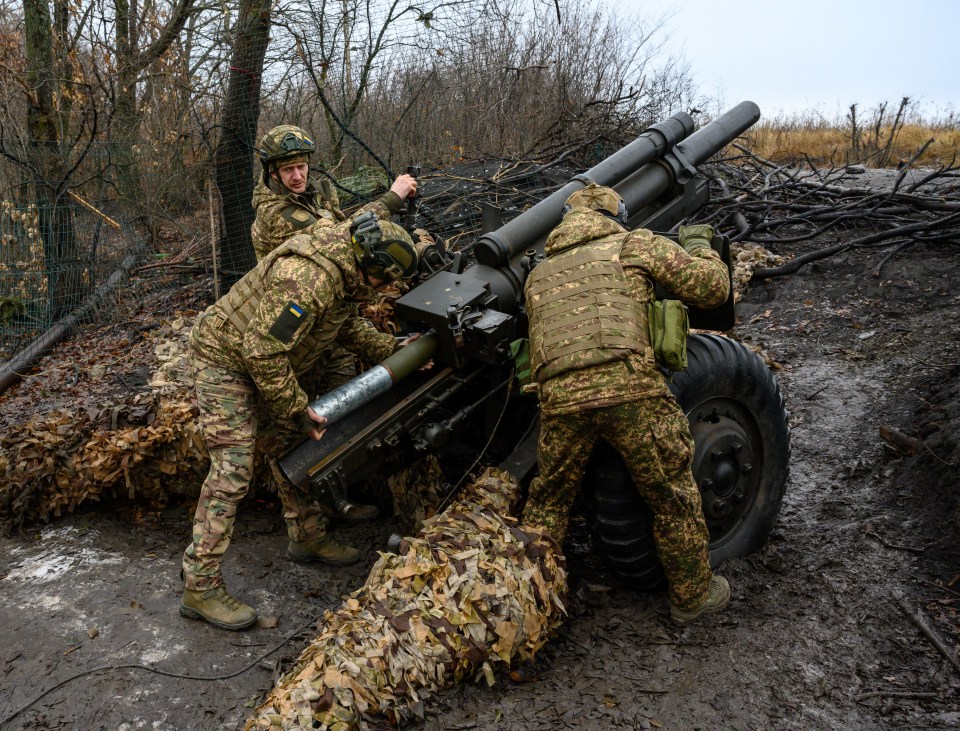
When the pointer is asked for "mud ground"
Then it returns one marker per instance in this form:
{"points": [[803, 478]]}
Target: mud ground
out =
{"points": [[819, 634]]}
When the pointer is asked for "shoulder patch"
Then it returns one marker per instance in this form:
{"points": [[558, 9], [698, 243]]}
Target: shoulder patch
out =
{"points": [[287, 324], [298, 217]]}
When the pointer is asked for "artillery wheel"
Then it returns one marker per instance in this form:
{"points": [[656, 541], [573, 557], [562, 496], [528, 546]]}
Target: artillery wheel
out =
{"points": [[739, 424]]}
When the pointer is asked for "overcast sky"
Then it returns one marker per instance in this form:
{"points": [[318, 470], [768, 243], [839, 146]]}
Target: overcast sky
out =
{"points": [[798, 55]]}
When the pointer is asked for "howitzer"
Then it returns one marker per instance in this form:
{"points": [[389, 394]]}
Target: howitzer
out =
{"points": [[475, 311]]}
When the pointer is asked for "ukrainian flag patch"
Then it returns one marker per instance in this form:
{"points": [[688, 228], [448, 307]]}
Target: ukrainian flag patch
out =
{"points": [[287, 324]]}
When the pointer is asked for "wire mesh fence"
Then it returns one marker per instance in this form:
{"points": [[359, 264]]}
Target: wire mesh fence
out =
{"points": [[52, 259]]}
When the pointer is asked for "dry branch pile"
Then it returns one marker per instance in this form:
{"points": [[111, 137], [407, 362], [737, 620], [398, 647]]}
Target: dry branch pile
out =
{"points": [[474, 591], [785, 209]]}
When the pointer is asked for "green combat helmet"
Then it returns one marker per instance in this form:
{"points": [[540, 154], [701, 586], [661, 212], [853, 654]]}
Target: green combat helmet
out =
{"points": [[383, 249], [283, 145], [598, 198]]}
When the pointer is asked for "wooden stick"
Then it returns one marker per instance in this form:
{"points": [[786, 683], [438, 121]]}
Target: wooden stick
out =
{"points": [[93, 208], [928, 631], [901, 442]]}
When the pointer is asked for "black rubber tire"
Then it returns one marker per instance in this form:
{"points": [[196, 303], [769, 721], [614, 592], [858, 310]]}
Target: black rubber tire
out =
{"points": [[739, 424]]}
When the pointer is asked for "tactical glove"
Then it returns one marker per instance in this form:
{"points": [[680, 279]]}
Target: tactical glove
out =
{"points": [[695, 237]]}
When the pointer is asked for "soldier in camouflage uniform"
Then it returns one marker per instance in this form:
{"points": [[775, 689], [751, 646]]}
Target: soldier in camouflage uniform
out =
{"points": [[591, 357], [249, 349], [288, 200]]}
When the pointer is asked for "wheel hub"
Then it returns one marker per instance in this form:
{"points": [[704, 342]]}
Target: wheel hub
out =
{"points": [[722, 466]]}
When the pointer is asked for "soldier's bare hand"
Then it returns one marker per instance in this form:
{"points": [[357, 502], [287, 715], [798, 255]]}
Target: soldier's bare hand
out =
{"points": [[316, 433], [423, 236], [405, 186]]}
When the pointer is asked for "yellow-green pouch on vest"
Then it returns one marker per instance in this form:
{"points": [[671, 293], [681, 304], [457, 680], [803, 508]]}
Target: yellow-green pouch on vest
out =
{"points": [[669, 325]]}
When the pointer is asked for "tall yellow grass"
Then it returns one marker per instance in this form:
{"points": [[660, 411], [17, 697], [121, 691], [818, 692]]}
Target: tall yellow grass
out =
{"points": [[884, 136]]}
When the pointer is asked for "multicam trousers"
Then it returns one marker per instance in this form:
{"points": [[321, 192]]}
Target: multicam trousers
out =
{"points": [[653, 437], [229, 418]]}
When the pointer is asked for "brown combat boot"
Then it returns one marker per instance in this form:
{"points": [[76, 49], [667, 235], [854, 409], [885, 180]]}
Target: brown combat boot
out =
{"points": [[322, 550], [718, 596], [217, 607]]}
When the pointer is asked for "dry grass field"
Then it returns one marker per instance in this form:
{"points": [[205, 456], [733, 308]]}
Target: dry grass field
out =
{"points": [[887, 135]]}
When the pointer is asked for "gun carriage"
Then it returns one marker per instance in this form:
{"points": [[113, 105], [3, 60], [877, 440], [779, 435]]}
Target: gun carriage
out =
{"points": [[472, 311]]}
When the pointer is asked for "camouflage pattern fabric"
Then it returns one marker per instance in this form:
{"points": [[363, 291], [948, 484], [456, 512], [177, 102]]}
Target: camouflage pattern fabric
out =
{"points": [[598, 198], [335, 367], [274, 361], [627, 403], [248, 381], [469, 597], [229, 420], [700, 279], [654, 440], [282, 213], [416, 492]]}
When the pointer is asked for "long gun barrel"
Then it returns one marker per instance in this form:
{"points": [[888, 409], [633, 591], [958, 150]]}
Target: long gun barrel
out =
{"points": [[497, 247], [649, 182], [667, 151]]}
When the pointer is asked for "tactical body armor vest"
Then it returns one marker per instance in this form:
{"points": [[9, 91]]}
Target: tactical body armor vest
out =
{"points": [[581, 311], [240, 304]]}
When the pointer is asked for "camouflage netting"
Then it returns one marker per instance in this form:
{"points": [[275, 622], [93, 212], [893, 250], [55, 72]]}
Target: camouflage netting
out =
{"points": [[58, 461], [746, 258], [146, 445], [416, 493], [474, 591]]}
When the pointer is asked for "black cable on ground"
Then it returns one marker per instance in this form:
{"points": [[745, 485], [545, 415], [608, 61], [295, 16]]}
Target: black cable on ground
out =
{"points": [[156, 671]]}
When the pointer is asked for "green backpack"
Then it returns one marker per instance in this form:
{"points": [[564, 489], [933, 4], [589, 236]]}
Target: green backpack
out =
{"points": [[669, 325]]}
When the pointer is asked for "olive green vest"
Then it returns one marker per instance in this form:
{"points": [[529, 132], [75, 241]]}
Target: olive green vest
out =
{"points": [[581, 311], [240, 304]]}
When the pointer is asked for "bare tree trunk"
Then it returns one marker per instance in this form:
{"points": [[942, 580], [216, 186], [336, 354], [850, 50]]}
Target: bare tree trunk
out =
{"points": [[126, 122], [132, 60], [64, 284], [234, 156]]}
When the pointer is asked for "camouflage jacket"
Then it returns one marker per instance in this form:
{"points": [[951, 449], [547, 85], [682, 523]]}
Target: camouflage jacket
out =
{"points": [[281, 215], [276, 322], [700, 279]]}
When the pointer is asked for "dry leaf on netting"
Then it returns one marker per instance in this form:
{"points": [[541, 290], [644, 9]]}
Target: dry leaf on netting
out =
{"points": [[416, 492], [746, 258], [58, 461], [472, 592]]}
